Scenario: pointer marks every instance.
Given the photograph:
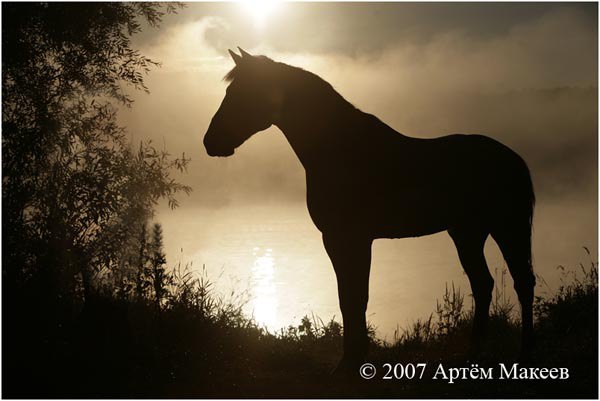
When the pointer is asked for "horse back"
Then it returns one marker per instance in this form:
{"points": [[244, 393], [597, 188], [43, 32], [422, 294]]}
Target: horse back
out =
{"points": [[407, 187]]}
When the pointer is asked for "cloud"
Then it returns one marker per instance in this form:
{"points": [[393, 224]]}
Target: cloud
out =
{"points": [[498, 84]]}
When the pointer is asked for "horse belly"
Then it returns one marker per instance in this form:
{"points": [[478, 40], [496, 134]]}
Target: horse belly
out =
{"points": [[377, 214], [408, 219]]}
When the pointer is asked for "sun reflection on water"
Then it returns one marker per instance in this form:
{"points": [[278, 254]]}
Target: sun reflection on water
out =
{"points": [[264, 291]]}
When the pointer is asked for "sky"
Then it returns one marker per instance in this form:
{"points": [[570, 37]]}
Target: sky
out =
{"points": [[523, 73]]}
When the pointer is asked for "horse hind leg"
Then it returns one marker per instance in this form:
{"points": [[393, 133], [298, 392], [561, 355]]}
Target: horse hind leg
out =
{"points": [[469, 244], [514, 240]]}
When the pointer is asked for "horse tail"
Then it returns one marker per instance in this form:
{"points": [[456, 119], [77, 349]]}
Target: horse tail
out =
{"points": [[513, 232]]}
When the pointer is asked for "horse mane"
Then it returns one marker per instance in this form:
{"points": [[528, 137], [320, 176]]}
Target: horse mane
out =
{"points": [[304, 78], [235, 71]]}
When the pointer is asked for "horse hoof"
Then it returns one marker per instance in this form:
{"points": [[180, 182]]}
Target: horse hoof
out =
{"points": [[341, 371], [525, 356], [345, 370], [476, 349]]}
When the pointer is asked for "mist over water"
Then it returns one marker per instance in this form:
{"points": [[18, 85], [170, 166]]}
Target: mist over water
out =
{"points": [[529, 82], [272, 257]]}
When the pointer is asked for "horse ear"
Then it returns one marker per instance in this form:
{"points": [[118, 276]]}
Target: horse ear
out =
{"points": [[244, 53], [237, 59]]}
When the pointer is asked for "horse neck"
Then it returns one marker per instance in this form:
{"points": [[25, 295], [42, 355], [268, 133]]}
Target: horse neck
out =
{"points": [[319, 125]]}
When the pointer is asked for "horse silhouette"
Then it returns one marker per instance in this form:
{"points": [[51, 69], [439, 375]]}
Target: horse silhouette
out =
{"points": [[364, 181]]}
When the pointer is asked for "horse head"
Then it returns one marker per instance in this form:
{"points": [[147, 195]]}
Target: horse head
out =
{"points": [[251, 104]]}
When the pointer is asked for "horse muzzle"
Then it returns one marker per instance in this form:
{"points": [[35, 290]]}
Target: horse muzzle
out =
{"points": [[216, 148], [219, 152]]}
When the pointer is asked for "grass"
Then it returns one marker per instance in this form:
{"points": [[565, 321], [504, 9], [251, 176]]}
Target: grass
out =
{"points": [[198, 345]]}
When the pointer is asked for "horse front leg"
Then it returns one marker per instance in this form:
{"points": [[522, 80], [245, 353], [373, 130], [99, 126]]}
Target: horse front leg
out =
{"points": [[351, 258]]}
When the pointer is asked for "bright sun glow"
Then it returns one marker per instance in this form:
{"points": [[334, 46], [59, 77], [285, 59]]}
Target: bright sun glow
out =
{"points": [[264, 301], [260, 10]]}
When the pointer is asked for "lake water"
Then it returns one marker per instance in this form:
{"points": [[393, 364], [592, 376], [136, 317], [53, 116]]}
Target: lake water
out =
{"points": [[271, 255]]}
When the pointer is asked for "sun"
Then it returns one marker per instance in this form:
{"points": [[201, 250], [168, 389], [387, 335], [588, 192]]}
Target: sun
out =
{"points": [[260, 10]]}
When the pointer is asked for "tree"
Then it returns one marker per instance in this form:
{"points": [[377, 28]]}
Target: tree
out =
{"points": [[141, 271], [158, 260], [74, 189]]}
